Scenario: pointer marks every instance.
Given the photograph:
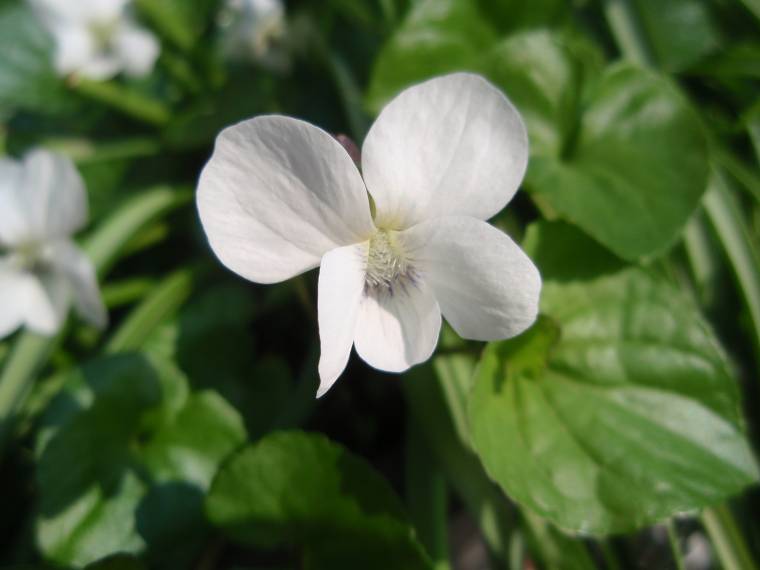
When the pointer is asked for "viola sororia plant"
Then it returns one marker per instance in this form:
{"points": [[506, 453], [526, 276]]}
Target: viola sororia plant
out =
{"points": [[535, 223]]}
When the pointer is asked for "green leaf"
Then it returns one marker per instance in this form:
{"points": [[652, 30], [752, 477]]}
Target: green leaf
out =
{"points": [[212, 342], [300, 489], [181, 21], [555, 246], [615, 411], [511, 15], [117, 562], [543, 74], [636, 167], [437, 37], [126, 453], [676, 51], [27, 77]]}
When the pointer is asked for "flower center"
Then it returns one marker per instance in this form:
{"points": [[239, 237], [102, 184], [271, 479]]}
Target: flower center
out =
{"points": [[387, 262], [102, 33], [31, 257]]}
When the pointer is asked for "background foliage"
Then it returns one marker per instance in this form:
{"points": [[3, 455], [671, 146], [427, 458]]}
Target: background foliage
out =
{"points": [[187, 434]]}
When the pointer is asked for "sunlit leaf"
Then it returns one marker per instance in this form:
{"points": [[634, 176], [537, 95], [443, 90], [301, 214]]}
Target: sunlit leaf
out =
{"points": [[616, 410]]}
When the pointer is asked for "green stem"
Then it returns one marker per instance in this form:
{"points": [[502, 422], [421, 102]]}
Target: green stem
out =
{"points": [[426, 397], [727, 218], [164, 302], [124, 100], [555, 550], [675, 546], [625, 27], [31, 352], [427, 496], [86, 151], [727, 539], [120, 293], [753, 6], [28, 355], [609, 555]]}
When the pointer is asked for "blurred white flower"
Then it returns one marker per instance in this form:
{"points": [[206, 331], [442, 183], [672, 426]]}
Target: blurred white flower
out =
{"points": [[280, 196], [97, 39], [252, 29], [42, 271]]}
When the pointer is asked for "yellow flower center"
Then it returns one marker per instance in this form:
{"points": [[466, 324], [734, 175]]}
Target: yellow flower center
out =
{"points": [[387, 262]]}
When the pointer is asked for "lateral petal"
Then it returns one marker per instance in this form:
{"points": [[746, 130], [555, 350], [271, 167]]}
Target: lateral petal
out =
{"points": [[277, 194], [46, 302], [41, 198], [488, 289], [77, 268], [11, 295]]}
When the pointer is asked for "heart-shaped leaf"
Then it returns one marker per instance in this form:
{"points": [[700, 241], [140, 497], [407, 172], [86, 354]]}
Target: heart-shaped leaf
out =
{"points": [[126, 454], [616, 410], [298, 489]]}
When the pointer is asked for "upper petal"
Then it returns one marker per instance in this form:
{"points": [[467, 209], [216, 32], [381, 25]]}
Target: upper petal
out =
{"points": [[75, 50], [138, 49], [276, 195], [341, 287], [43, 200], [79, 11], [487, 288], [76, 267], [397, 328], [453, 145]]}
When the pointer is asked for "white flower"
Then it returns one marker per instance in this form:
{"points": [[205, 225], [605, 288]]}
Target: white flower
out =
{"points": [[280, 196], [97, 39], [42, 271], [251, 29]]}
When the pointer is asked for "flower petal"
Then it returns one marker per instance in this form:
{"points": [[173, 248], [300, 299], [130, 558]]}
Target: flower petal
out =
{"points": [[46, 302], [277, 194], [341, 286], [13, 221], [137, 48], [396, 330], [453, 145], [488, 289], [11, 293], [72, 263], [75, 50], [43, 198]]}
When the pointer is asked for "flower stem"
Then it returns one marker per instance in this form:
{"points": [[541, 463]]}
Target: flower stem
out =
{"points": [[165, 301], [124, 100], [675, 546], [727, 539], [427, 496]]}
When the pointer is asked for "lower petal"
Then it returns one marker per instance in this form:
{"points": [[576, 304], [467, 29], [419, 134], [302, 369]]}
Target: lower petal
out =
{"points": [[341, 286], [77, 268], [488, 289], [397, 328], [46, 302]]}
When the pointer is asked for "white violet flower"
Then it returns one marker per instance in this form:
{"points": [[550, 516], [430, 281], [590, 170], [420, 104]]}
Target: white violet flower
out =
{"points": [[97, 39], [251, 30], [280, 196], [42, 271]]}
